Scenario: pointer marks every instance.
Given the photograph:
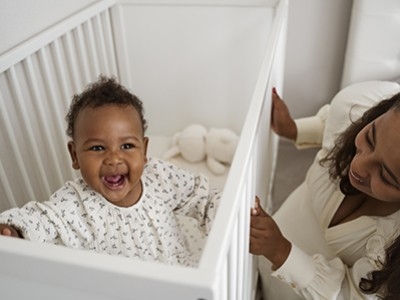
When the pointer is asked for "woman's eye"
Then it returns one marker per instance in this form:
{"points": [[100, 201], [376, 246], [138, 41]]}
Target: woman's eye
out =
{"points": [[368, 139], [386, 181], [127, 146], [97, 148]]}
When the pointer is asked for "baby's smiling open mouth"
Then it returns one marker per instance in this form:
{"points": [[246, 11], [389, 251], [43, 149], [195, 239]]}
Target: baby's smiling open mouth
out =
{"points": [[114, 181]]}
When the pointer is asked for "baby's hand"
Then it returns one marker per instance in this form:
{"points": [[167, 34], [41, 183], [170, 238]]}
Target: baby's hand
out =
{"points": [[8, 230]]}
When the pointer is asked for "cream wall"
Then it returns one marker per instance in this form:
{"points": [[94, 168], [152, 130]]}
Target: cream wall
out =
{"points": [[317, 33]]}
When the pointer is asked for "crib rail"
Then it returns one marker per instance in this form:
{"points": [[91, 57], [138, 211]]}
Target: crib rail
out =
{"points": [[36, 82], [227, 250]]}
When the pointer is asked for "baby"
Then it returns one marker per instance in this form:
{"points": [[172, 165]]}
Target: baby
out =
{"points": [[124, 203]]}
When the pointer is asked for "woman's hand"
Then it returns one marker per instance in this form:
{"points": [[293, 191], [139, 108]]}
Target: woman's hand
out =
{"points": [[266, 239], [282, 122], [8, 230]]}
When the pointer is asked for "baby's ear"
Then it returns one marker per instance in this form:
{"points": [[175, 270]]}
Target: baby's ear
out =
{"points": [[145, 146], [72, 153]]}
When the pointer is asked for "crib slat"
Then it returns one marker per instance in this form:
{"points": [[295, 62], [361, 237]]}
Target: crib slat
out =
{"points": [[61, 72], [44, 126], [72, 59], [6, 187], [223, 292], [88, 34], [57, 119], [109, 41], [233, 265], [101, 45], [8, 125], [119, 34], [82, 55], [19, 101]]}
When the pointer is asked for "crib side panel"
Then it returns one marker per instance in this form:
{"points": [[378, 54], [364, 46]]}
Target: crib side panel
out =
{"points": [[36, 271], [37, 82], [32, 87], [251, 174]]}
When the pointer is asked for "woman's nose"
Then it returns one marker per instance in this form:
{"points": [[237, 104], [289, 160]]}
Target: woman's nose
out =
{"points": [[364, 165]]}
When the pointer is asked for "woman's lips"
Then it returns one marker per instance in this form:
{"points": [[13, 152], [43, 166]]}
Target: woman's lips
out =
{"points": [[356, 177]]}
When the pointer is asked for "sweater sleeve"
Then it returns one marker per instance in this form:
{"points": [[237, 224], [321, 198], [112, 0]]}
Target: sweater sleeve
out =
{"points": [[315, 277], [347, 106], [310, 130]]}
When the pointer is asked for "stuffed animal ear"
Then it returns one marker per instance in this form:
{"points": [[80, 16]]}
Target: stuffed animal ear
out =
{"points": [[171, 152], [215, 166], [175, 138], [174, 150]]}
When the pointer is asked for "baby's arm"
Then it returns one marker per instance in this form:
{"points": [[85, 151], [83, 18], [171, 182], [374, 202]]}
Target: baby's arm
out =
{"points": [[8, 230], [200, 202], [194, 197]]}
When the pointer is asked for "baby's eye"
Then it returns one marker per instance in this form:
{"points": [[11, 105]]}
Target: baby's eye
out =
{"points": [[127, 146], [97, 148]]}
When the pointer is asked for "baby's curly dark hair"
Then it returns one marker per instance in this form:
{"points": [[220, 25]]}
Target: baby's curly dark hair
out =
{"points": [[104, 91]]}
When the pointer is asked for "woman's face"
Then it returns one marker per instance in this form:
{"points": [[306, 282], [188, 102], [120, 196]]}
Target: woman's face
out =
{"points": [[375, 169]]}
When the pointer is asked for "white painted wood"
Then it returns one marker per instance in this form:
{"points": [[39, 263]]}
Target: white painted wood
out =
{"points": [[63, 59]]}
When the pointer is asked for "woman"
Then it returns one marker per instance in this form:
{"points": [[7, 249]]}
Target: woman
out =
{"points": [[333, 229]]}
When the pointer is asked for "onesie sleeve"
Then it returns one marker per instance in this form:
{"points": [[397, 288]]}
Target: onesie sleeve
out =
{"points": [[315, 277], [189, 194], [37, 221], [200, 202], [53, 221]]}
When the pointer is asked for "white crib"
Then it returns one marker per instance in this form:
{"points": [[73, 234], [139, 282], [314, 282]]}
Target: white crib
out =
{"points": [[212, 62]]}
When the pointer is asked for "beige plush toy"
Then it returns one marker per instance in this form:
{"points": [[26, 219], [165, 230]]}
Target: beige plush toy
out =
{"points": [[189, 143], [220, 148], [194, 143]]}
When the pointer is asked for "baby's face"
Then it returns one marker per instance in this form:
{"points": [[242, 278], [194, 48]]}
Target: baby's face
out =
{"points": [[110, 150]]}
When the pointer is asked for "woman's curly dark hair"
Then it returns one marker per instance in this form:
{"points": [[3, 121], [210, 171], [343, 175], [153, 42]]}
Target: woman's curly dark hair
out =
{"points": [[104, 91], [340, 156], [385, 281]]}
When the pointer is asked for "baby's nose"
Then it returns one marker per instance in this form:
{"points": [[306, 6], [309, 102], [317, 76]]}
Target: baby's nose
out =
{"points": [[113, 158]]}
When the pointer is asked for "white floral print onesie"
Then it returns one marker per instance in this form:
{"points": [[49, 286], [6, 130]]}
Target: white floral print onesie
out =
{"points": [[78, 217]]}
